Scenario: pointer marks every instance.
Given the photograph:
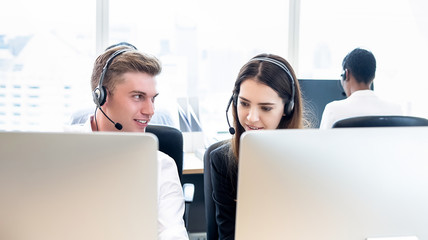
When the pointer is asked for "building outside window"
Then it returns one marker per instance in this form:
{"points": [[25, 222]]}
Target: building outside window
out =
{"points": [[47, 54]]}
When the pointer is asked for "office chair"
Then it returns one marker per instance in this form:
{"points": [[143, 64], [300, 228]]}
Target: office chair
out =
{"points": [[212, 228], [171, 143], [381, 121]]}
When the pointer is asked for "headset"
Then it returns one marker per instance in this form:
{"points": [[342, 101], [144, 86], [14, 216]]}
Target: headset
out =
{"points": [[343, 77], [288, 108], [99, 94], [121, 44], [344, 74]]}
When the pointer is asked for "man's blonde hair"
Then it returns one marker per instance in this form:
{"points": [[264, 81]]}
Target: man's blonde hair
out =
{"points": [[129, 61]]}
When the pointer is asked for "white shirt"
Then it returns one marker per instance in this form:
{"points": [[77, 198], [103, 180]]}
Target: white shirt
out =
{"points": [[360, 103], [170, 193]]}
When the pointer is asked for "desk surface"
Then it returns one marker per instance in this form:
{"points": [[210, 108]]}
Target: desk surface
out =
{"points": [[192, 164]]}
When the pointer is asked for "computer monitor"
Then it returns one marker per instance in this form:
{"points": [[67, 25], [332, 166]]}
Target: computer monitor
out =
{"points": [[316, 94], [336, 184], [78, 186]]}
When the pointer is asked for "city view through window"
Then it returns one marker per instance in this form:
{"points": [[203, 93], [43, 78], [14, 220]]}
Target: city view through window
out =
{"points": [[46, 56]]}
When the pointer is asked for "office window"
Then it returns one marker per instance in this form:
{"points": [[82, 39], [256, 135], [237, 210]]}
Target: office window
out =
{"points": [[46, 54], [47, 49], [394, 30], [202, 45]]}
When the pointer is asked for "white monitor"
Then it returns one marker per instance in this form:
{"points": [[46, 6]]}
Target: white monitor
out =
{"points": [[336, 184], [78, 186]]}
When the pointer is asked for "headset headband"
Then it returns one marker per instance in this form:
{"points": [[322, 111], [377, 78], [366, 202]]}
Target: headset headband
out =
{"points": [[109, 61], [100, 94], [290, 104]]}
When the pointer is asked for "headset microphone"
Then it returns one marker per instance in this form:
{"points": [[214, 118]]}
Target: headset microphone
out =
{"points": [[231, 129], [117, 125]]}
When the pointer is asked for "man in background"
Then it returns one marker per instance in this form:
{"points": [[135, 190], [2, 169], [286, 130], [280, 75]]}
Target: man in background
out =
{"points": [[359, 68]]}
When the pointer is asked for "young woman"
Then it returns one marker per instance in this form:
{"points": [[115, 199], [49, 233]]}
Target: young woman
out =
{"points": [[266, 96]]}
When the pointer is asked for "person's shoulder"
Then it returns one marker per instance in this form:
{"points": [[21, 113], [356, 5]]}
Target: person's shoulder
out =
{"points": [[336, 103], [330, 113], [393, 108], [162, 155], [220, 157], [220, 151], [84, 126], [165, 161], [74, 128], [337, 106]]}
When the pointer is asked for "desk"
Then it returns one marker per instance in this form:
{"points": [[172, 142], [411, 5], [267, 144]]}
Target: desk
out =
{"points": [[192, 164], [193, 161]]}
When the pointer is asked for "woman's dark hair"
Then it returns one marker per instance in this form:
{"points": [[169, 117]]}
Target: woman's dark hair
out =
{"points": [[273, 76]]}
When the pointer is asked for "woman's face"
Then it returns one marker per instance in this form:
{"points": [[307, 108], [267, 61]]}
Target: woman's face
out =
{"points": [[259, 106]]}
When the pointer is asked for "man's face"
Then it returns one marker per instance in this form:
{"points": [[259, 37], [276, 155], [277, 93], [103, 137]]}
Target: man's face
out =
{"points": [[132, 102]]}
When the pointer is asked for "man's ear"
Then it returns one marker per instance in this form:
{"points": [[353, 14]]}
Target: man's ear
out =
{"points": [[108, 94]]}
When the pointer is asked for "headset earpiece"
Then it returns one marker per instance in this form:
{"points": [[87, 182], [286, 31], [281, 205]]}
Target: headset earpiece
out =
{"points": [[235, 99], [99, 95], [344, 74], [288, 108]]}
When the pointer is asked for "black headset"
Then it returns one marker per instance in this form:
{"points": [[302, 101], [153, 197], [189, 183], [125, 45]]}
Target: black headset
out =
{"points": [[99, 94], [288, 108]]}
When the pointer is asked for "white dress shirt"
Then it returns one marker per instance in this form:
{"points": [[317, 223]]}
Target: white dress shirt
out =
{"points": [[170, 193], [360, 103]]}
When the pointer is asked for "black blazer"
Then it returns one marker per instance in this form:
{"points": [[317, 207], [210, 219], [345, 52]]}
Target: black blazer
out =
{"points": [[224, 184]]}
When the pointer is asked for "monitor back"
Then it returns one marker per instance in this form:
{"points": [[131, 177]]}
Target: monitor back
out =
{"points": [[336, 184], [316, 94], [78, 186]]}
